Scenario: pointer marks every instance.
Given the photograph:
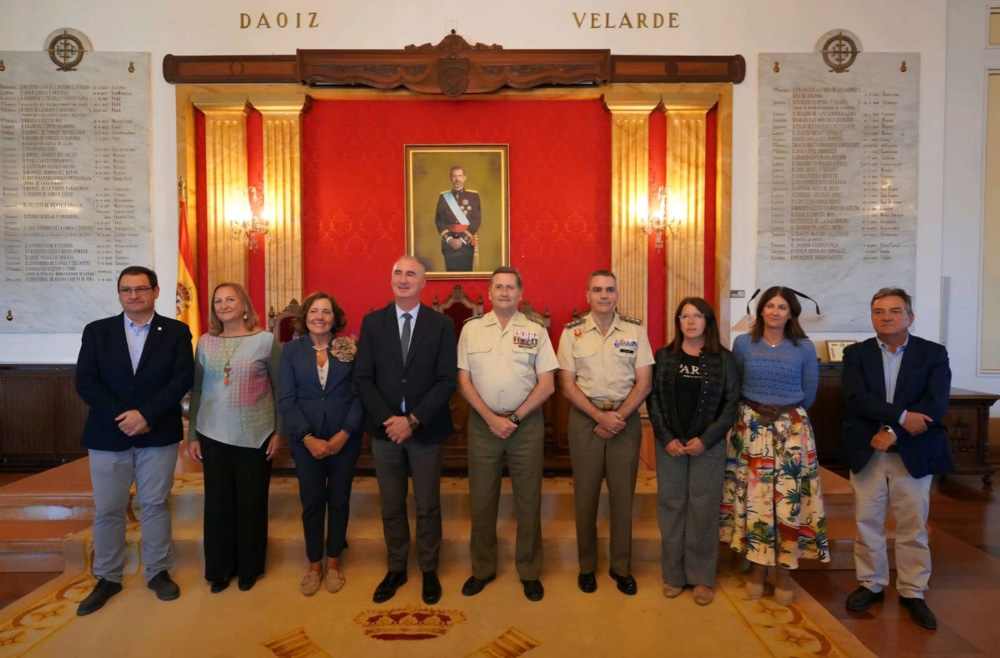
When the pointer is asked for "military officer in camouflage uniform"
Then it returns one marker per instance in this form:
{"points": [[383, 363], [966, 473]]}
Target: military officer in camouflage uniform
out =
{"points": [[606, 372], [458, 218], [506, 370]]}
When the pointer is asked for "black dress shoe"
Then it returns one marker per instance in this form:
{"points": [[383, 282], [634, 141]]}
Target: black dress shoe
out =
{"points": [[219, 584], [387, 588], [863, 598], [475, 585], [104, 590], [166, 589], [626, 584], [920, 612], [587, 582], [246, 583], [432, 588], [533, 589]]}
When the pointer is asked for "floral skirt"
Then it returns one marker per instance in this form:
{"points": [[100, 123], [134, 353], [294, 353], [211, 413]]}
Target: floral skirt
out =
{"points": [[772, 504]]}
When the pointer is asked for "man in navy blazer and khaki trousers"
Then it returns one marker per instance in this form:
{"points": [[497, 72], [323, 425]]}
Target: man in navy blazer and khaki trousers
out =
{"points": [[132, 372], [896, 387], [406, 372]]}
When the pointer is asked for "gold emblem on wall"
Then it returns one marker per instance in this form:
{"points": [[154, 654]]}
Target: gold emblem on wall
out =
{"points": [[840, 49]]}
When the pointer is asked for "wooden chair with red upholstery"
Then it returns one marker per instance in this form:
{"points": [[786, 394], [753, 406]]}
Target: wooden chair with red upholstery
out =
{"points": [[282, 324], [459, 307]]}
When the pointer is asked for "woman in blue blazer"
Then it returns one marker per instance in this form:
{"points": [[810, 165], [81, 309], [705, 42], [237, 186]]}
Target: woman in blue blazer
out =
{"points": [[322, 414]]}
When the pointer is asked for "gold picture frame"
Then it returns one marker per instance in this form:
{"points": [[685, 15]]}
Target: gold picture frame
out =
{"points": [[430, 214], [835, 350]]}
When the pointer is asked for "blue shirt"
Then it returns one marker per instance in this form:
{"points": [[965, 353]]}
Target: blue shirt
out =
{"points": [[136, 335], [890, 368]]}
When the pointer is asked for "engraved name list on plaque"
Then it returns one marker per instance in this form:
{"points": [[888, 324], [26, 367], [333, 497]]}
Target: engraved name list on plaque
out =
{"points": [[837, 196], [74, 186]]}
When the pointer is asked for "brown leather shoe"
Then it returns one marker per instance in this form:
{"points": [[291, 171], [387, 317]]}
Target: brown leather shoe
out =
{"points": [[703, 594]]}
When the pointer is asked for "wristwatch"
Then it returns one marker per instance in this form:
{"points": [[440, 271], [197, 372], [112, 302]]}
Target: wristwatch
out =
{"points": [[886, 428], [513, 418], [414, 424]]}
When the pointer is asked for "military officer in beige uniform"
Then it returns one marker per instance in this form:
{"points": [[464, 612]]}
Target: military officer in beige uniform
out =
{"points": [[506, 370], [606, 372]]}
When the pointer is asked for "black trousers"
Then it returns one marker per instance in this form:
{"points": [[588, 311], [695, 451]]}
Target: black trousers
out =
{"points": [[458, 260], [237, 481], [325, 491]]}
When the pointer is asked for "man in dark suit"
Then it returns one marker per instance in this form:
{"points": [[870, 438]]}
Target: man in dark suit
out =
{"points": [[896, 388], [132, 372], [405, 372]]}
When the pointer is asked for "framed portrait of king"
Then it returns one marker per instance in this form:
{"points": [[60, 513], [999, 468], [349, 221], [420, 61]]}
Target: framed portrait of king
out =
{"points": [[458, 208]]}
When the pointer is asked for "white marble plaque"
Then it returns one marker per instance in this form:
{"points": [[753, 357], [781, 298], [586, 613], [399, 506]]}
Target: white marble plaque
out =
{"points": [[837, 215], [74, 186]]}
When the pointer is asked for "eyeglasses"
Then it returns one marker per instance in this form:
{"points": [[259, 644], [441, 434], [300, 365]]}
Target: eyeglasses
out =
{"points": [[691, 316], [139, 290]]}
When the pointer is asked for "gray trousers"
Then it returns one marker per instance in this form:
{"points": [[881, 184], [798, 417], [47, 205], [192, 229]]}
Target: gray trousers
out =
{"points": [[595, 459], [688, 495], [524, 450], [112, 475], [425, 462], [885, 483]]}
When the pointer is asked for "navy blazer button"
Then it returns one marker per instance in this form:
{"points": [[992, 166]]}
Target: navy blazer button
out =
{"points": [[404, 381]]}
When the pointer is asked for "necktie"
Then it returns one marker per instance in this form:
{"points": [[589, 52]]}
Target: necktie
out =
{"points": [[404, 340]]}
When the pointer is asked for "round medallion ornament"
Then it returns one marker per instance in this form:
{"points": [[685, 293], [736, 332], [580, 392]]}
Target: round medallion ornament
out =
{"points": [[66, 48], [840, 50]]}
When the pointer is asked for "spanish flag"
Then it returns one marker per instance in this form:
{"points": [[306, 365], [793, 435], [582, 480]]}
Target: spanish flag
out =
{"points": [[187, 293]]}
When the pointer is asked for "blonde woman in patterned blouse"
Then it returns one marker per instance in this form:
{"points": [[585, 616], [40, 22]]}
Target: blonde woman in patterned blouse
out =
{"points": [[235, 431]]}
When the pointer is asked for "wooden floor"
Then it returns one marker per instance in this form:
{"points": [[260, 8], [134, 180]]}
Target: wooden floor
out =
{"points": [[965, 540]]}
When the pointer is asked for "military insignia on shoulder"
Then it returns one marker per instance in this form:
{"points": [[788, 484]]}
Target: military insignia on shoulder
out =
{"points": [[474, 317], [630, 320], [344, 349], [472, 191], [577, 327]]}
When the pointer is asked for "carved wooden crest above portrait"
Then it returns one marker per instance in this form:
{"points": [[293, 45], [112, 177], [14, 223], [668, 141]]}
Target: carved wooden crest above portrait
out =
{"points": [[451, 67]]}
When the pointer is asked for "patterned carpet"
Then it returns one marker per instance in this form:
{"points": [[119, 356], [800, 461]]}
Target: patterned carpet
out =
{"points": [[273, 619]]}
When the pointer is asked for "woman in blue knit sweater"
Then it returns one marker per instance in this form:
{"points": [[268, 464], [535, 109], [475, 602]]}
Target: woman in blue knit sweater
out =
{"points": [[772, 506]]}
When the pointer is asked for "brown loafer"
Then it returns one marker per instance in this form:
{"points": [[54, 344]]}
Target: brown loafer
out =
{"points": [[334, 581], [309, 584], [703, 594]]}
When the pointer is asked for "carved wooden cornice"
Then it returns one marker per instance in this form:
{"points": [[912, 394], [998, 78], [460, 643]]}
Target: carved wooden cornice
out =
{"points": [[452, 67], [230, 69]]}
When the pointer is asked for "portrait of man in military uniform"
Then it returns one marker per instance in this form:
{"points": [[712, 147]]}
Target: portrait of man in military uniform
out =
{"points": [[467, 235]]}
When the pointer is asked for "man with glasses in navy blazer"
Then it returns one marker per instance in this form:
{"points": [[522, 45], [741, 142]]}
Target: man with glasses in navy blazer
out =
{"points": [[896, 387], [132, 372]]}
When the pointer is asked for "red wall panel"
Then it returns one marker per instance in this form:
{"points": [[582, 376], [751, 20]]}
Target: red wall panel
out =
{"points": [[353, 206]]}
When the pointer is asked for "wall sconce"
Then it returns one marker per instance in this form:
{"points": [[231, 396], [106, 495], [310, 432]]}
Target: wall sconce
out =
{"points": [[676, 212], [667, 215], [253, 224]]}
